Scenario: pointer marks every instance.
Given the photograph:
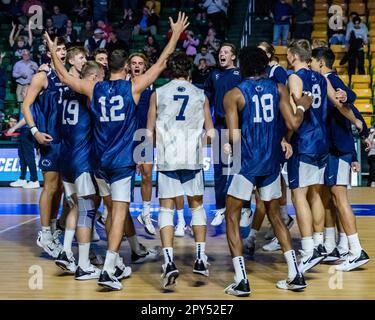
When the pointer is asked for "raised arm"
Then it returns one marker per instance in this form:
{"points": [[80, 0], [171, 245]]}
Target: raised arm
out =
{"points": [[81, 86], [11, 36], [30, 34], [144, 81]]}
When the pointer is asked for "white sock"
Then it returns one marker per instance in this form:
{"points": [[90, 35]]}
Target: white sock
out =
{"points": [[239, 268], [284, 213], [110, 261], [343, 242], [307, 244], [53, 225], [253, 233], [134, 244], [105, 213], [83, 255], [318, 238], [200, 249], [291, 260], [354, 244], [68, 240], [180, 216], [46, 233], [168, 254], [146, 207], [330, 239]]}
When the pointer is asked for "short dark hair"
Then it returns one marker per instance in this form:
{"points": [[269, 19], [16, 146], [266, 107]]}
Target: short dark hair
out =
{"points": [[180, 65], [325, 54], [231, 46], [253, 61], [356, 19], [301, 48], [117, 60], [14, 116], [100, 51], [60, 41]]}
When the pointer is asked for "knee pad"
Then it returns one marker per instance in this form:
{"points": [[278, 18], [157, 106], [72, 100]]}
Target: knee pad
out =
{"points": [[86, 213], [198, 216], [165, 218]]}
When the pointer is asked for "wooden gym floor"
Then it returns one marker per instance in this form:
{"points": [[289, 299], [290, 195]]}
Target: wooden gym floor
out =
{"points": [[26, 273]]}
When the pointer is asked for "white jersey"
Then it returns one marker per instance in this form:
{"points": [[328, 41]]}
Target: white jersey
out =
{"points": [[179, 126]]}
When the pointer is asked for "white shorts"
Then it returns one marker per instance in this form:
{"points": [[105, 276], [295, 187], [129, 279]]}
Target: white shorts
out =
{"points": [[83, 186], [172, 184]]}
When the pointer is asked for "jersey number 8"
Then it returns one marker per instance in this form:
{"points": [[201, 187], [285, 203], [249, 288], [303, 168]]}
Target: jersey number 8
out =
{"points": [[317, 96], [117, 103]]}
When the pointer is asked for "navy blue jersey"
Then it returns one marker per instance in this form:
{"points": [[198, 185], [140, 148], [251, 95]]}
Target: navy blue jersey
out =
{"points": [[277, 73], [48, 107], [311, 136], [76, 133], [218, 83], [115, 122], [339, 128], [142, 108], [260, 134]]}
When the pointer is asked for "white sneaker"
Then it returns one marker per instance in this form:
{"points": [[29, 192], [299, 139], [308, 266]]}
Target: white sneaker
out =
{"points": [[95, 236], [273, 245], [169, 275], [89, 273], [48, 245], [18, 183], [249, 245], [31, 185], [296, 284], [201, 266], [180, 229], [344, 252], [145, 220], [109, 281], [66, 262], [122, 271], [56, 239], [309, 260], [219, 217], [148, 254], [95, 259], [246, 218], [239, 289], [372, 184], [353, 261]]}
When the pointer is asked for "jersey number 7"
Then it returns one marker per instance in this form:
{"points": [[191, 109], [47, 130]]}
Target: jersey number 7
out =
{"points": [[185, 100]]}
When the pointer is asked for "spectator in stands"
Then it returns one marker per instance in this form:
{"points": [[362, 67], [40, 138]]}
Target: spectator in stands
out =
{"points": [[23, 71], [350, 25], [105, 27], [127, 26], [200, 11], [59, 19], [49, 27], [96, 41], [100, 10], [191, 44], [11, 128], [316, 43], [217, 13], [154, 6], [16, 12], [147, 23], [26, 154], [3, 86], [204, 54], [86, 32], [211, 41], [82, 10], [101, 57], [114, 43], [304, 13], [41, 56], [151, 49], [263, 9], [371, 160], [181, 39], [282, 14], [19, 43], [200, 73], [356, 55], [69, 33]]}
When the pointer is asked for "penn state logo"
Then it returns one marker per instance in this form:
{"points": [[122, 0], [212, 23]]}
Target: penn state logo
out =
{"points": [[181, 89], [46, 163], [313, 78], [236, 73], [258, 88]]}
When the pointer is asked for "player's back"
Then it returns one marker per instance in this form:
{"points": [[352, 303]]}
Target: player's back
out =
{"points": [[179, 125], [259, 124], [311, 137], [114, 116]]}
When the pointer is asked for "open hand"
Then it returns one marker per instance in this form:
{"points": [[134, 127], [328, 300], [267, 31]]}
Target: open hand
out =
{"points": [[180, 25]]}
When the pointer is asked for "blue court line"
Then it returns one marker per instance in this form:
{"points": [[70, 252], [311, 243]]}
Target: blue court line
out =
{"points": [[135, 208]]}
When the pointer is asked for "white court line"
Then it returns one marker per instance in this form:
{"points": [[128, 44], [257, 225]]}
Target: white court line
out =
{"points": [[18, 225]]}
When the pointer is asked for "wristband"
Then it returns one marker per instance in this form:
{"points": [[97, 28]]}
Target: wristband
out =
{"points": [[301, 108], [34, 130]]}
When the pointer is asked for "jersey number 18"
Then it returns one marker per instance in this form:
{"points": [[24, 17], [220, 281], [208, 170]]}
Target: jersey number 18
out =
{"points": [[266, 101]]}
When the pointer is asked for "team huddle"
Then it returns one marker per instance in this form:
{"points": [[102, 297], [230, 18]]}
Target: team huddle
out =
{"points": [[94, 133]]}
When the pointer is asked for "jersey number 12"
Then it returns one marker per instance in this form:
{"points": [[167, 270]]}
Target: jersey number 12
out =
{"points": [[117, 103]]}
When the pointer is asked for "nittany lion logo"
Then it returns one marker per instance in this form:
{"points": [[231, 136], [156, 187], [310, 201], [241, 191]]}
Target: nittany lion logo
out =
{"points": [[259, 88], [181, 89], [46, 163]]}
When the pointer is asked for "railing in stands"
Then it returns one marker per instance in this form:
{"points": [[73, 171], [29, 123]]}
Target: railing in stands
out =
{"points": [[246, 31]]}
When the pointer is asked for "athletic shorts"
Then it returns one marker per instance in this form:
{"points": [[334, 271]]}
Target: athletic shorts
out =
{"points": [[241, 186], [338, 171], [49, 158], [306, 170], [119, 183], [82, 186], [172, 184]]}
